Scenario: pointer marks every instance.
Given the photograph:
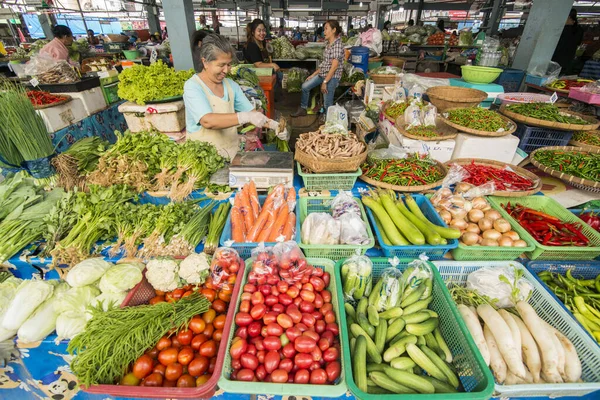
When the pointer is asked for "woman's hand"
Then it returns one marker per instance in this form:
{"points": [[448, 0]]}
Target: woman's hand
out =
{"points": [[275, 67], [255, 118], [324, 88]]}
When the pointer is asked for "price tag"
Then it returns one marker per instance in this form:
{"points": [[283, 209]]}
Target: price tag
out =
{"points": [[153, 56], [34, 82], [553, 98]]}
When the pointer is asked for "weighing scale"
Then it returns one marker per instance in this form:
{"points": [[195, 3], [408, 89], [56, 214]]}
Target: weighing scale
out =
{"points": [[265, 168]]}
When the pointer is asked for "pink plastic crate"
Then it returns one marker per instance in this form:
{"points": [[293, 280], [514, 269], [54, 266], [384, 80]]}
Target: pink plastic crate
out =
{"points": [[589, 98], [141, 294]]}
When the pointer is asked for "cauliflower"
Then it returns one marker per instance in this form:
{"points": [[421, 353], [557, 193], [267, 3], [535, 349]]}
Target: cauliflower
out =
{"points": [[162, 274], [194, 268]]}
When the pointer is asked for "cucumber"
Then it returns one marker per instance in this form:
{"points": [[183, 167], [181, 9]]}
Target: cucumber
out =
{"points": [[352, 346], [406, 228], [370, 382], [451, 377], [350, 319], [371, 348], [375, 367], [393, 312], [410, 380], [422, 328], [428, 288], [417, 306], [359, 363], [374, 296], [350, 311], [398, 337], [380, 334], [394, 329], [398, 348], [440, 387], [383, 380], [372, 315], [392, 320], [432, 237], [378, 390], [443, 346], [431, 313], [446, 233], [361, 307], [392, 233], [421, 340], [417, 317], [402, 363], [365, 324], [414, 296], [344, 272], [425, 362], [431, 342]]}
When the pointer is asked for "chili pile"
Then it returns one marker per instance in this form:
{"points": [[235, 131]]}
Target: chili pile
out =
{"points": [[413, 170], [589, 137], [424, 130], [478, 118], [395, 109], [39, 98], [547, 229], [545, 111], [504, 179], [581, 165]]}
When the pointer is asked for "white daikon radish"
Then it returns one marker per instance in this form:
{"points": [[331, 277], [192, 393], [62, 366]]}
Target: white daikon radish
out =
{"points": [[514, 329], [531, 356], [497, 363], [572, 361], [472, 321]]}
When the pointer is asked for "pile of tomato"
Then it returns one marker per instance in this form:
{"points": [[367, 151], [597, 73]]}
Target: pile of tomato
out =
{"points": [[286, 325], [436, 39]]}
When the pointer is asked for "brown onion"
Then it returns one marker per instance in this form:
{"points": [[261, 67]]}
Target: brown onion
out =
{"points": [[459, 224], [512, 235], [470, 238], [505, 242], [520, 243], [475, 215], [471, 227], [502, 225], [489, 242], [492, 215], [491, 234], [485, 224]]}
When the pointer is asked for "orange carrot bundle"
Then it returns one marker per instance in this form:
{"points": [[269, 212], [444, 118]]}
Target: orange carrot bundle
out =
{"points": [[290, 227], [279, 225], [253, 197], [237, 225]]}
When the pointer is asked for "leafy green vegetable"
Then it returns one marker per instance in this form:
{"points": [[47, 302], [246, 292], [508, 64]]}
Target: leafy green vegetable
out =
{"points": [[295, 79], [283, 48]]}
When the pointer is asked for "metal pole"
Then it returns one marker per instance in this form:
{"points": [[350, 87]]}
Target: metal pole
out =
{"points": [[237, 27], [496, 16]]}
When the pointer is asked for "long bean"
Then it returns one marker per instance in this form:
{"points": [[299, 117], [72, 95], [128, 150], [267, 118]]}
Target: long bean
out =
{"points": [[581, 165]]}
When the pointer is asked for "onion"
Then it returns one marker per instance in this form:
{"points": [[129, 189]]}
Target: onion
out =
{"points": [[470, 238], [485, 224], [458, 213], [475, 215], [512, 235], [479, 203], [443, 193], [471, 227], [459, 224], [519, 243], [458, 201], [446, 216], [489, 242], [492, 215], [502, 225], [462, 187], [491, 234], [505, 242]]}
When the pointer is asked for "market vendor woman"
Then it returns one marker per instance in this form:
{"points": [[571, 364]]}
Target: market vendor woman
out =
{"points": [[255, 51], [215, 105], [58, 47]]}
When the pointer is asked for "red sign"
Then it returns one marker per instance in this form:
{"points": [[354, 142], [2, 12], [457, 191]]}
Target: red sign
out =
{"points": [[457, 14]]}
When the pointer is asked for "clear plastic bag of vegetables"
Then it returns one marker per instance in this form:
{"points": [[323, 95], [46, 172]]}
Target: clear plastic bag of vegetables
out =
{"points": [[295, 79], [417, 282], [357, 279], [344, 203], [387, 292], [224, 267], [264, 261], [293, 267]]}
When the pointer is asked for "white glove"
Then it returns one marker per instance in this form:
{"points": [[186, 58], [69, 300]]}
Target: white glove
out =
{"points": [[274, 125], [253, 117]]}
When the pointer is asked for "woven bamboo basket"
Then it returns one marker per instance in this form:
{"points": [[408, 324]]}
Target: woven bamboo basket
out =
{"points": [[326, 165], [446, 97], [382, 78], [394, 61], [585, 145], [66, 99], [512, 127], [518, 170], [420, 188], [580, 183], [593, 122], [445, 131]]}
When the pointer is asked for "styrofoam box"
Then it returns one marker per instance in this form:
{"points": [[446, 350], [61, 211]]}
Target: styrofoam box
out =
{"points": [[93, 99], [441, 151], [61, 116], [165, 117], [492, 148]]}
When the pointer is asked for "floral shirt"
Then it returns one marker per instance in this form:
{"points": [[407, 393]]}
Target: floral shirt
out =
{"points": [[333, 51]]}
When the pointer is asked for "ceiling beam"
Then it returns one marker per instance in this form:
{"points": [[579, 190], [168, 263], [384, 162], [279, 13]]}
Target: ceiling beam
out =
{"points": [[439, 6]]}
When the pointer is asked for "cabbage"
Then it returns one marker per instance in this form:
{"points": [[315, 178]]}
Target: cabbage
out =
{"points": [[29, 296], [75, 299], [87, 272], [106, 300], [70, 324], [120, 278], [8, 289], [6, 334], [43, 321]]}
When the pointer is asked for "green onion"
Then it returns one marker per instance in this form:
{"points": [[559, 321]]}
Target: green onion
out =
{"points": [[217, 223]]}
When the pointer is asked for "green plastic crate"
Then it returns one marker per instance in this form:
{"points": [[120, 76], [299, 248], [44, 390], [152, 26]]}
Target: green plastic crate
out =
{"points": [[341, 181], [290, 389], [258, 71], [308, 205], [551, 207], [474, 375], [477, 253]]}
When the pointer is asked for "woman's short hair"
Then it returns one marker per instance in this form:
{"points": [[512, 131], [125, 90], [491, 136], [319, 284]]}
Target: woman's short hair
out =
{"points": [[60, 31], [212, 46], [333, 24]]}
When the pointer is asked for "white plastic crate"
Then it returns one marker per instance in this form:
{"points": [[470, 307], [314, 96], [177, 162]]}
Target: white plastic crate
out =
{"points": [[93, 99], [165, 117], [455, 272], [63, 115]]}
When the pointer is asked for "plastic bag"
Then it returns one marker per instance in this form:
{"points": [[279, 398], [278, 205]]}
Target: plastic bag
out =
{"points": [[417, 281], [592, 87], [498, 283], [224, 267], [416, 91], [465, 38], [429, 113], [353, 230], [48, 70], [320, 228], [343, 204], [412, 114], [550, 70], [387, 292], [357, 281], [338, 115], [293, 267], [389, 153]]}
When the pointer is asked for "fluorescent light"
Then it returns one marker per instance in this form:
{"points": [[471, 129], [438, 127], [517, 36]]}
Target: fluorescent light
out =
{"points": [[361, 3], [305, 9], [401, 9]]}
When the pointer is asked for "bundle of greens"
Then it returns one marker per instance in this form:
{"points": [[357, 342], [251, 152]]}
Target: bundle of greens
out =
{"points": [[166, 236], [77, 161], [133, 226], [217, 223], [142, 84], [238, 73], [295, 79], [283, 48]]}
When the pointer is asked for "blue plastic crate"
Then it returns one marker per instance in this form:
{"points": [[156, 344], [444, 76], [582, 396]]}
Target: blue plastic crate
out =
{"points": [[510, 79], [579, 270], [433, 252], [536, 80], [533, 137]]}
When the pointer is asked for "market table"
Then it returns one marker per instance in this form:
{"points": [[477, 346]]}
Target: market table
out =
{"points": [[309, 63]]}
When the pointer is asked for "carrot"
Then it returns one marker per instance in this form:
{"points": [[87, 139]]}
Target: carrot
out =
{"points": [[266, 213], [246, 209], [237, 225], [253, 197], [278, 224], [289, 227], [276, 194], [291, 197], [237, 200]]}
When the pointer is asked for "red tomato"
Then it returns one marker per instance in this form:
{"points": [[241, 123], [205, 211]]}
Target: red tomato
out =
{"points": [[333, 328], [302, 327], [294, 313], [271, 300], [178, 293], [326, 294], [185, 356], [236, 364], [261, 372], [304, 344], [317, 354], [318, 377], [143, 366], [174, 342], [293, 292], [270, 317], [278, 308], [308, 286], [258, 342], [274, 291], [272, 343], [198, 340], [259, 297], [303, 361], [153, 380], [328, 336], [198, 366], [279, 376], [208, 349], [209, 330], [272, 360], [249, 361], [302, 376], [168, 356], [238, 348], [323, 344], [254, 329], [307, 295], [320, 326], [288, 351], [282, 286], [261, 356], [326, 308], [318, 272], [312, 334], [306, 307], [159, 368], [219, 306], [314, 365], [153, 353], [245, 306], [285, 299], [248, 288], [308, 319], [163, 343], [286, 364], [185, 337], [293, 333], [258, 311], [272, 279], [319, 301], [186, 381], [243, 319], [285, 321], [318, 316], [173, 371], [242, 332], [245, 374], [274, 329], [156, 300], [330, 317], [317, 283], [297, 301]]}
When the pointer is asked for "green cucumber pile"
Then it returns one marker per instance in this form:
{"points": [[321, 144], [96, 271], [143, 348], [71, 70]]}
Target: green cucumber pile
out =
{"points": [[395, 343]]}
